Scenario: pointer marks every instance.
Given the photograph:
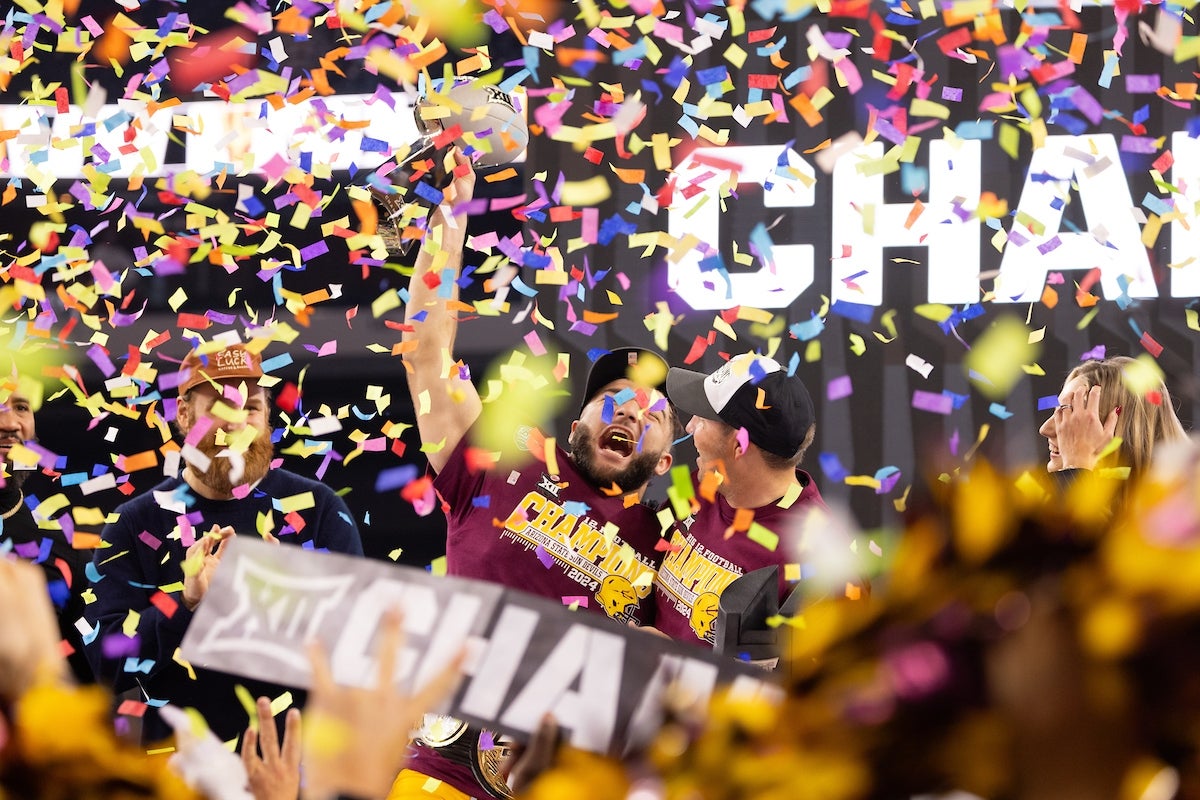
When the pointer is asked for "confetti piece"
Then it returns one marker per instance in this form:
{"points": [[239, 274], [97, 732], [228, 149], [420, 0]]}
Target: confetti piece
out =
{"points": [[918, 365], [995, 360], [839, 388], [930, 401]]}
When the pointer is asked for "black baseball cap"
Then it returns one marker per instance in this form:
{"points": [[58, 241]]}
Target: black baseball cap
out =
{"points": [[732, 394], [636, 363]]}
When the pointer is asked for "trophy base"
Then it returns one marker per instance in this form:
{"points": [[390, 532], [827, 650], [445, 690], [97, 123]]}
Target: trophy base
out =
{"points": [[406, 207]]}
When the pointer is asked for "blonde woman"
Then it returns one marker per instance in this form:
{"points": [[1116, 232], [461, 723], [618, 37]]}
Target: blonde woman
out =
{"points": [[1095, 405]]}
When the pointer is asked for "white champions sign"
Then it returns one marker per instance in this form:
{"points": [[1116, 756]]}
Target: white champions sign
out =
{"points": [[527, 656]]}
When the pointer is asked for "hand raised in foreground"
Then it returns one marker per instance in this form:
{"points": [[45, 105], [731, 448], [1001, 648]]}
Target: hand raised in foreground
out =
{"points": [[355, 740], [448, 221], [29, 636], [272, 768]]}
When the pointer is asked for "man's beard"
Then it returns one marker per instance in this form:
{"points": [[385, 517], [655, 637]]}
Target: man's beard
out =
{"points": [[16, 477], [256, 458], [583, 452]]}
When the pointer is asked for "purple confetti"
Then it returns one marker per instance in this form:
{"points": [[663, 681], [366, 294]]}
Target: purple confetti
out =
{"points": [[317, 248], [116, 645], [1142, 84], [932, 401], [1139, 144], [1049, 244], [1087, 105], [839, 388]]}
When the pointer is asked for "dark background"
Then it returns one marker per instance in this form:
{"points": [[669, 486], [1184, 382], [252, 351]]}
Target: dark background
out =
{"points": [[873, 429]]}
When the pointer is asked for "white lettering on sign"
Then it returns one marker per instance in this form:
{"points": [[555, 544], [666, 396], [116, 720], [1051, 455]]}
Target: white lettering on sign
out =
{"points": [[500, 662], [578, 685], [239, 138], [1185, 234], [1112, 241], [526, 656], [946, 225], [439, 630], [787, 269]]}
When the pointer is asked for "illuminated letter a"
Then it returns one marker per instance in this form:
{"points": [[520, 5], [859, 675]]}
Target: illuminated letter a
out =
{"points": [[1112, 241]]}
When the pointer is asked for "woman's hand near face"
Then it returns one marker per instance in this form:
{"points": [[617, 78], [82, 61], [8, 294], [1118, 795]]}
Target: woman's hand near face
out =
{"points": [[1082, 435]]}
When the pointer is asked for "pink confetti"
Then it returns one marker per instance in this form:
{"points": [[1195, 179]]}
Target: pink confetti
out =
{"points": [[199, 431], [590, 225], [187, 531], [535, 344]]}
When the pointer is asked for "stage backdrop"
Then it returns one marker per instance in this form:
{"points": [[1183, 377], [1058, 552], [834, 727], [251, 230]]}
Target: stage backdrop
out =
{"points": [[864, 191]]}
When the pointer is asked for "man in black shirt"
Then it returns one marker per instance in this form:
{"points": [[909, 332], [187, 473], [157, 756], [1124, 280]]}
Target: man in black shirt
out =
{"points": [[47, 547]]}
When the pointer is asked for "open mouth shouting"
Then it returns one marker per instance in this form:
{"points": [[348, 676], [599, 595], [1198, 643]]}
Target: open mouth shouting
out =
{"points": [[619, 440], [613, 456]]}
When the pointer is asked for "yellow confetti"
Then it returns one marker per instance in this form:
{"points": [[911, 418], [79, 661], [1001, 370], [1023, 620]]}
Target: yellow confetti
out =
{"points": [[130, 624], [297, 502], [590, 192], [994, 363]]}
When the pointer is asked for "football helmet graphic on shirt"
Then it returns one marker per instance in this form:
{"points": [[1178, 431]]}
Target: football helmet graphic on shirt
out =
{"points": [[704, 614], [617, 596]]}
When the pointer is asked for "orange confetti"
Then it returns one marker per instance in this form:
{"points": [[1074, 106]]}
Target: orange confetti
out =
{"points": [[292, 21], [808, 112], [139, 461], [917, 209], [1078, 45], [1049, 297], [595, 318], [502, 175]]}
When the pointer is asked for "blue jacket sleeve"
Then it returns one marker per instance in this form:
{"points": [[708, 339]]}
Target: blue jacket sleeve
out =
{"points": [[120, 585]]}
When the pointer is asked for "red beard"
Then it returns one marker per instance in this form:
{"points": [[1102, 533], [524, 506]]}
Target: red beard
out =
{"points": [[257, 462]]}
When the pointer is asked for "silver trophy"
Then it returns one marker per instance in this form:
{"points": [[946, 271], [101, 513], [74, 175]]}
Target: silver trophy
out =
{"points": [[482, 120]]}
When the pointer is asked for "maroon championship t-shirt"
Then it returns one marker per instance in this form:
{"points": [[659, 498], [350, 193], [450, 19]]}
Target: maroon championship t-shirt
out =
{"points": [[553, 535], [702, 561], [556, 536]]}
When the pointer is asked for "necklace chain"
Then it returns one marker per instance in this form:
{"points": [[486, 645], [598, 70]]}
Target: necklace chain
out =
{"points": [[16, 506]]}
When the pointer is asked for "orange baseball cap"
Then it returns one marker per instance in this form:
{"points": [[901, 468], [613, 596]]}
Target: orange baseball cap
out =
{"points": [[234, 362]]}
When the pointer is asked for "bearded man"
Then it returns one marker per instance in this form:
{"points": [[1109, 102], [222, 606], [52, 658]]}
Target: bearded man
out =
{"points": [[158, 558], [49, 548], [568, 525]]}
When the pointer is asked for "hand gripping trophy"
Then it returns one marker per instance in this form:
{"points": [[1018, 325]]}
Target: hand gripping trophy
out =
{"points": [[482, 120]]}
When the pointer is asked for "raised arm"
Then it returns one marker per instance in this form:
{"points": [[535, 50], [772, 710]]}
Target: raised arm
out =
{"points": [[445, 400]]}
